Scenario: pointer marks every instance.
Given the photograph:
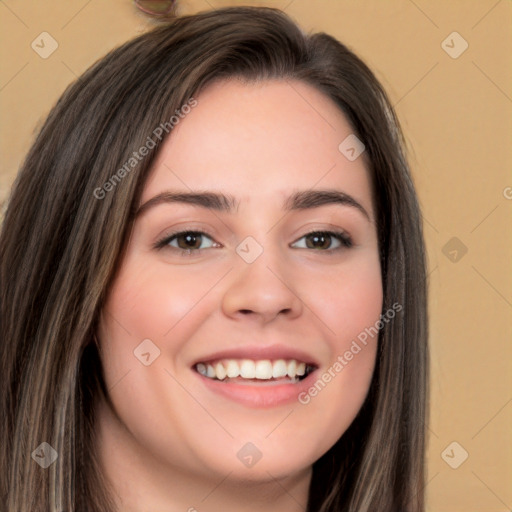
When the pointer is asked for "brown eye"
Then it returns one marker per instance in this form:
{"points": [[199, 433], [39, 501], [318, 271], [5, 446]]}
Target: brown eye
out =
{"points": [[318, 241], [185, 241], [190, 240], [323, 240]]}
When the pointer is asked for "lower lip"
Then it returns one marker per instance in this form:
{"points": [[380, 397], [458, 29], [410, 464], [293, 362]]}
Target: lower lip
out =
{"points": [[259, 396]]}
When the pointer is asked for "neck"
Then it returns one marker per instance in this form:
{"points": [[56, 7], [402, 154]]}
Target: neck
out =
{"points": [[142, 482]]}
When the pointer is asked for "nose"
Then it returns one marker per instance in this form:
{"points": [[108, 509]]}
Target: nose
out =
{"points": [[261, 289]]}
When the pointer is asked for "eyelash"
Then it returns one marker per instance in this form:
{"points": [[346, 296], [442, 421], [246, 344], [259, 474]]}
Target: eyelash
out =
{"points": [[344, 239]]}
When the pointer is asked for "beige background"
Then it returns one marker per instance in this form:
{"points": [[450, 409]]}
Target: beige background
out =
{"points": [[456, 114]]}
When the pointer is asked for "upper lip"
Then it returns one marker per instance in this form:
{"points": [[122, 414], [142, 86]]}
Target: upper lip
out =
{"points": [[260, 352]]}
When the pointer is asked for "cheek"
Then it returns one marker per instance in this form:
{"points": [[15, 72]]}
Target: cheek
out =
{"points": [[350, 306], [147, 302], [143, 303], [141, 306], [347, 300]]}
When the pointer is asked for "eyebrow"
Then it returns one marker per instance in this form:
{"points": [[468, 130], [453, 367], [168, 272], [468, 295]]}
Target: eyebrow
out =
{"points": [[302, 200]]}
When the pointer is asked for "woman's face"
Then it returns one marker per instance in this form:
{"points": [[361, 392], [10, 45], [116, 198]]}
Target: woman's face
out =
{"points": [[257, 294]]}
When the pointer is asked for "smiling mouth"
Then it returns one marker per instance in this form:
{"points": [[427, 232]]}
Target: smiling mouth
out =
{"points": [[249, 371]]}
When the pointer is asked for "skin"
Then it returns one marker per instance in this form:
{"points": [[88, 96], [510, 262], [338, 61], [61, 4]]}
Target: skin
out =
{"points": [[166, 442]]}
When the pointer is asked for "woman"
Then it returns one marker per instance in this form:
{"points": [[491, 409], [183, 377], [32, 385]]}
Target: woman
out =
{"points": [[281, 366]]}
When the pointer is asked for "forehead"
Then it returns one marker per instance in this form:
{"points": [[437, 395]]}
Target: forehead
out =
{"points": [[258, 140]]}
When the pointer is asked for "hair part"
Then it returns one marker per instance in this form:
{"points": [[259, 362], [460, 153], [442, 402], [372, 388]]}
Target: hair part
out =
{"points": [[60, 248]]}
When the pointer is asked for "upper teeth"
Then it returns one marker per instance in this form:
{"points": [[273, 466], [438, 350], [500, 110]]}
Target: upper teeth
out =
{"points": [[249, 369]]}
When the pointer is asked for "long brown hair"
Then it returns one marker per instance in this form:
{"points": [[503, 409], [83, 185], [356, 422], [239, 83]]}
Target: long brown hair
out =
{"points": [[61, 244]]}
